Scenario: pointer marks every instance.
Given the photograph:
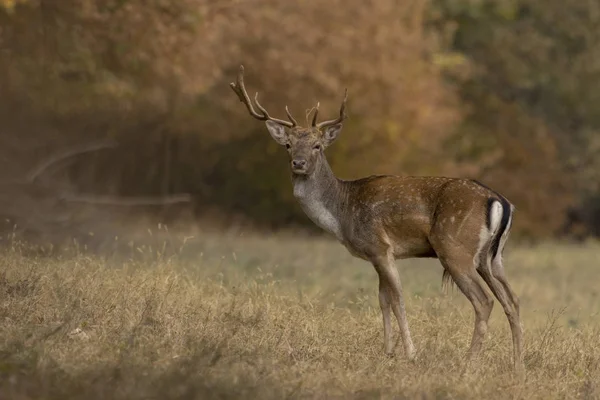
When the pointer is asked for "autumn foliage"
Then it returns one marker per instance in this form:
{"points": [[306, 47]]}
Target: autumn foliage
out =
{"points": [[502, 91]]}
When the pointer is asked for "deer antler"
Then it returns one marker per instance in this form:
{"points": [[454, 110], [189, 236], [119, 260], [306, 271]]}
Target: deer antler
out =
{"points": [[339, 119], [239, 89], [314, 120]]}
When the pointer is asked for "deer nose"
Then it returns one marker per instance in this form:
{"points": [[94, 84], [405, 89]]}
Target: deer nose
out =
{"points": [[298, 164]]}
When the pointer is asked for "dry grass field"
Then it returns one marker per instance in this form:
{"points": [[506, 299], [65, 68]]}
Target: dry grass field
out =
{"points": [[248, 316]]}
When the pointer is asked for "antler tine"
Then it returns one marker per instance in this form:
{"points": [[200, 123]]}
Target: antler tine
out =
{"points": [[279, 121], [240, 89], [338, 119], [260, 107], [314, 120], [289, 114]]}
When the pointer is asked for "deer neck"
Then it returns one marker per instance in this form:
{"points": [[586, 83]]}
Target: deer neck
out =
{"points": [[320, 196]]}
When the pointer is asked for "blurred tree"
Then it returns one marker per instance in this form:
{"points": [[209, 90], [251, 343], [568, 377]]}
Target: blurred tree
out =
{"points": [[503, 91], [160, 69], [9, 5], [534, 90]]}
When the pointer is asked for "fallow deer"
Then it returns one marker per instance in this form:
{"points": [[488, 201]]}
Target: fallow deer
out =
{"points": [[383, 218]]}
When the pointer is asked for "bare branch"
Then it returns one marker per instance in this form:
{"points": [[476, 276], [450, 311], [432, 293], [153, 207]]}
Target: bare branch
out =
{"points": [[127, 201], [55, 159]]}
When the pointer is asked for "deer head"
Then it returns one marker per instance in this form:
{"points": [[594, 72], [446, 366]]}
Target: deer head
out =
{"points": [[304, 145]]}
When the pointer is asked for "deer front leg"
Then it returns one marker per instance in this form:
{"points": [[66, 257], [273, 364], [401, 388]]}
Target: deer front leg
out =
{"points": [[386, 268]]}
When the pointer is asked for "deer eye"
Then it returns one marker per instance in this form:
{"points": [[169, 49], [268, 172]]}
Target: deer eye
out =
{"points": [[287, 146], [317, 147]]}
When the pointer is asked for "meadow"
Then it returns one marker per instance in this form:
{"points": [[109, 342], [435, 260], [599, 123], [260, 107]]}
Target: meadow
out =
{"points": [[282, 315]]}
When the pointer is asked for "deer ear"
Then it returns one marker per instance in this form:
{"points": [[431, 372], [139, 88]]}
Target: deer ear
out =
{"points": [[277, 131], [331, 133]]}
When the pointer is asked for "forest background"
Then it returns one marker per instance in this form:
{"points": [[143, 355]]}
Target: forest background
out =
{"points": [[123, 106]]}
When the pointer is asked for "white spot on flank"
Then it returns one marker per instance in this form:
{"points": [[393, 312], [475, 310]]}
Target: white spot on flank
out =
{"points": [[465, 220], [376, 204]]}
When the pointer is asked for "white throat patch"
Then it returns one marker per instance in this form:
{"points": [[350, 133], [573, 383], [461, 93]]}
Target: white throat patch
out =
{"points": [[314, 207]]}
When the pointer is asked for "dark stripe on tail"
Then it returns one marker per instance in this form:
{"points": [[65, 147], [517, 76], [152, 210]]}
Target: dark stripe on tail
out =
{"points": [[506, 211]]}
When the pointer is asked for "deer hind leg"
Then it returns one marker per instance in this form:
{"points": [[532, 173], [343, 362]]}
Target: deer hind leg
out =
{"points": [[459, 264], [492, 271], [514, 318], [501, 289], [386, 268], [386, 311], [464, 275]]}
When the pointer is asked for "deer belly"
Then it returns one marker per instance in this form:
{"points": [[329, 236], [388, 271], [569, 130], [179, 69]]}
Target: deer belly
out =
{"points": [[409, 248]]}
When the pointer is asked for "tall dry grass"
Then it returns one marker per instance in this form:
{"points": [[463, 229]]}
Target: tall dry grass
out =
{"points": [[236, 316]]}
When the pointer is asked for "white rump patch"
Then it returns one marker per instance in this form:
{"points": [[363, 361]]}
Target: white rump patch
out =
{"points": [[495, 216], [486, 234]]}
